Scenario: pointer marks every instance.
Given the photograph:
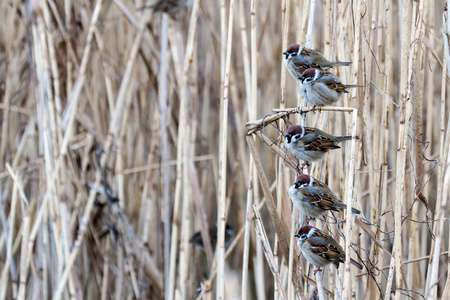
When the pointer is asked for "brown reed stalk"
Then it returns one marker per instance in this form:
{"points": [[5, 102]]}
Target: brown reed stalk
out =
{"points": [[261, 233], [221, 214], [405, 114], [279, 228], [83, 110], [252, 106], [180, 180], [442, 196]]}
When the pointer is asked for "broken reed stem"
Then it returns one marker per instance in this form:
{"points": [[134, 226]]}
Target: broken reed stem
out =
{"points": [[254, 126], [261, 233]]}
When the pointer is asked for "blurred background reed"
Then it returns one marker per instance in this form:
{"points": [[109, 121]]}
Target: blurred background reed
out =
{"points": [[123, 132]]}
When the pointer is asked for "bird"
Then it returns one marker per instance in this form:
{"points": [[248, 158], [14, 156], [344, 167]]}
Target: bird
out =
{"points": [[314, 198], [299, 58], [320, 249], [320, 87], [197, 240], [171, 7], [311, 144]]}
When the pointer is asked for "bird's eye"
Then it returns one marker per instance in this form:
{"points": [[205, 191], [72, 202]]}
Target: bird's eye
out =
{"points": [[303, 236], [304, 184], [308, 79], [297, 185], [298, 136], [294, 54]]}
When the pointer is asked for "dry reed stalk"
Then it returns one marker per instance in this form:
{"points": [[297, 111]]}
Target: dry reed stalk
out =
{"points": [[248, 217], [180, 149], [24, 258], [350, 203], [405, 113], [198, 201], [154, 166], [440, 181], [292, 253], [116, 119], [221, 213], [281, 174], [68, 125], [432, 287], [281, 232], [183, 253], [386, 113], [414, 271], [446, 35], [245, 53], [285, 17], [252, 107], [443, 181], [50, 164], [261, 233], [320, 291], [233, 245]]}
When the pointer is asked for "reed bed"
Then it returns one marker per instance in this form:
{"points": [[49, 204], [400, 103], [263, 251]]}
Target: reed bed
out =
{"points": [[125, 130]]}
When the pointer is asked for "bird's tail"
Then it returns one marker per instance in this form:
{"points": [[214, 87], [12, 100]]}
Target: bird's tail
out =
{"points": [[347, 86], [341, 63], [345, 138], [355, 211], [356, 264]]}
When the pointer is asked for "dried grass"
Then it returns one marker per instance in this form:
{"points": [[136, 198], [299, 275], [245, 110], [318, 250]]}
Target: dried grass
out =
{"points": [[125, 131]]}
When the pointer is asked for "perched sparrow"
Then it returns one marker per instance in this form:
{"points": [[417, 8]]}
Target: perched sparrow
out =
{"points": [[311, 144], [320, 249], [170, 7], [321, 87], [299, 58], [314, 198], [196, 238]]}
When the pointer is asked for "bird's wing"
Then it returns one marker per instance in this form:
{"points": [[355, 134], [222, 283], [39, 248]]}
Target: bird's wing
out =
{"points": [[326, 250], [322, 201]]}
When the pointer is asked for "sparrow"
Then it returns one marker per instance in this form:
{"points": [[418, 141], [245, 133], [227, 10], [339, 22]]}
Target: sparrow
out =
{"points": [[311, 144], [299, 58], [320, 249], [314, 198], [171, 7], [197, 240], [321, 87]]}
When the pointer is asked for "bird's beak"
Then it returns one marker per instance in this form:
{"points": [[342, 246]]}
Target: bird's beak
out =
{"points": [[297, 235], [296, 184], [288, 137], [286, 53], [301, 77]]}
